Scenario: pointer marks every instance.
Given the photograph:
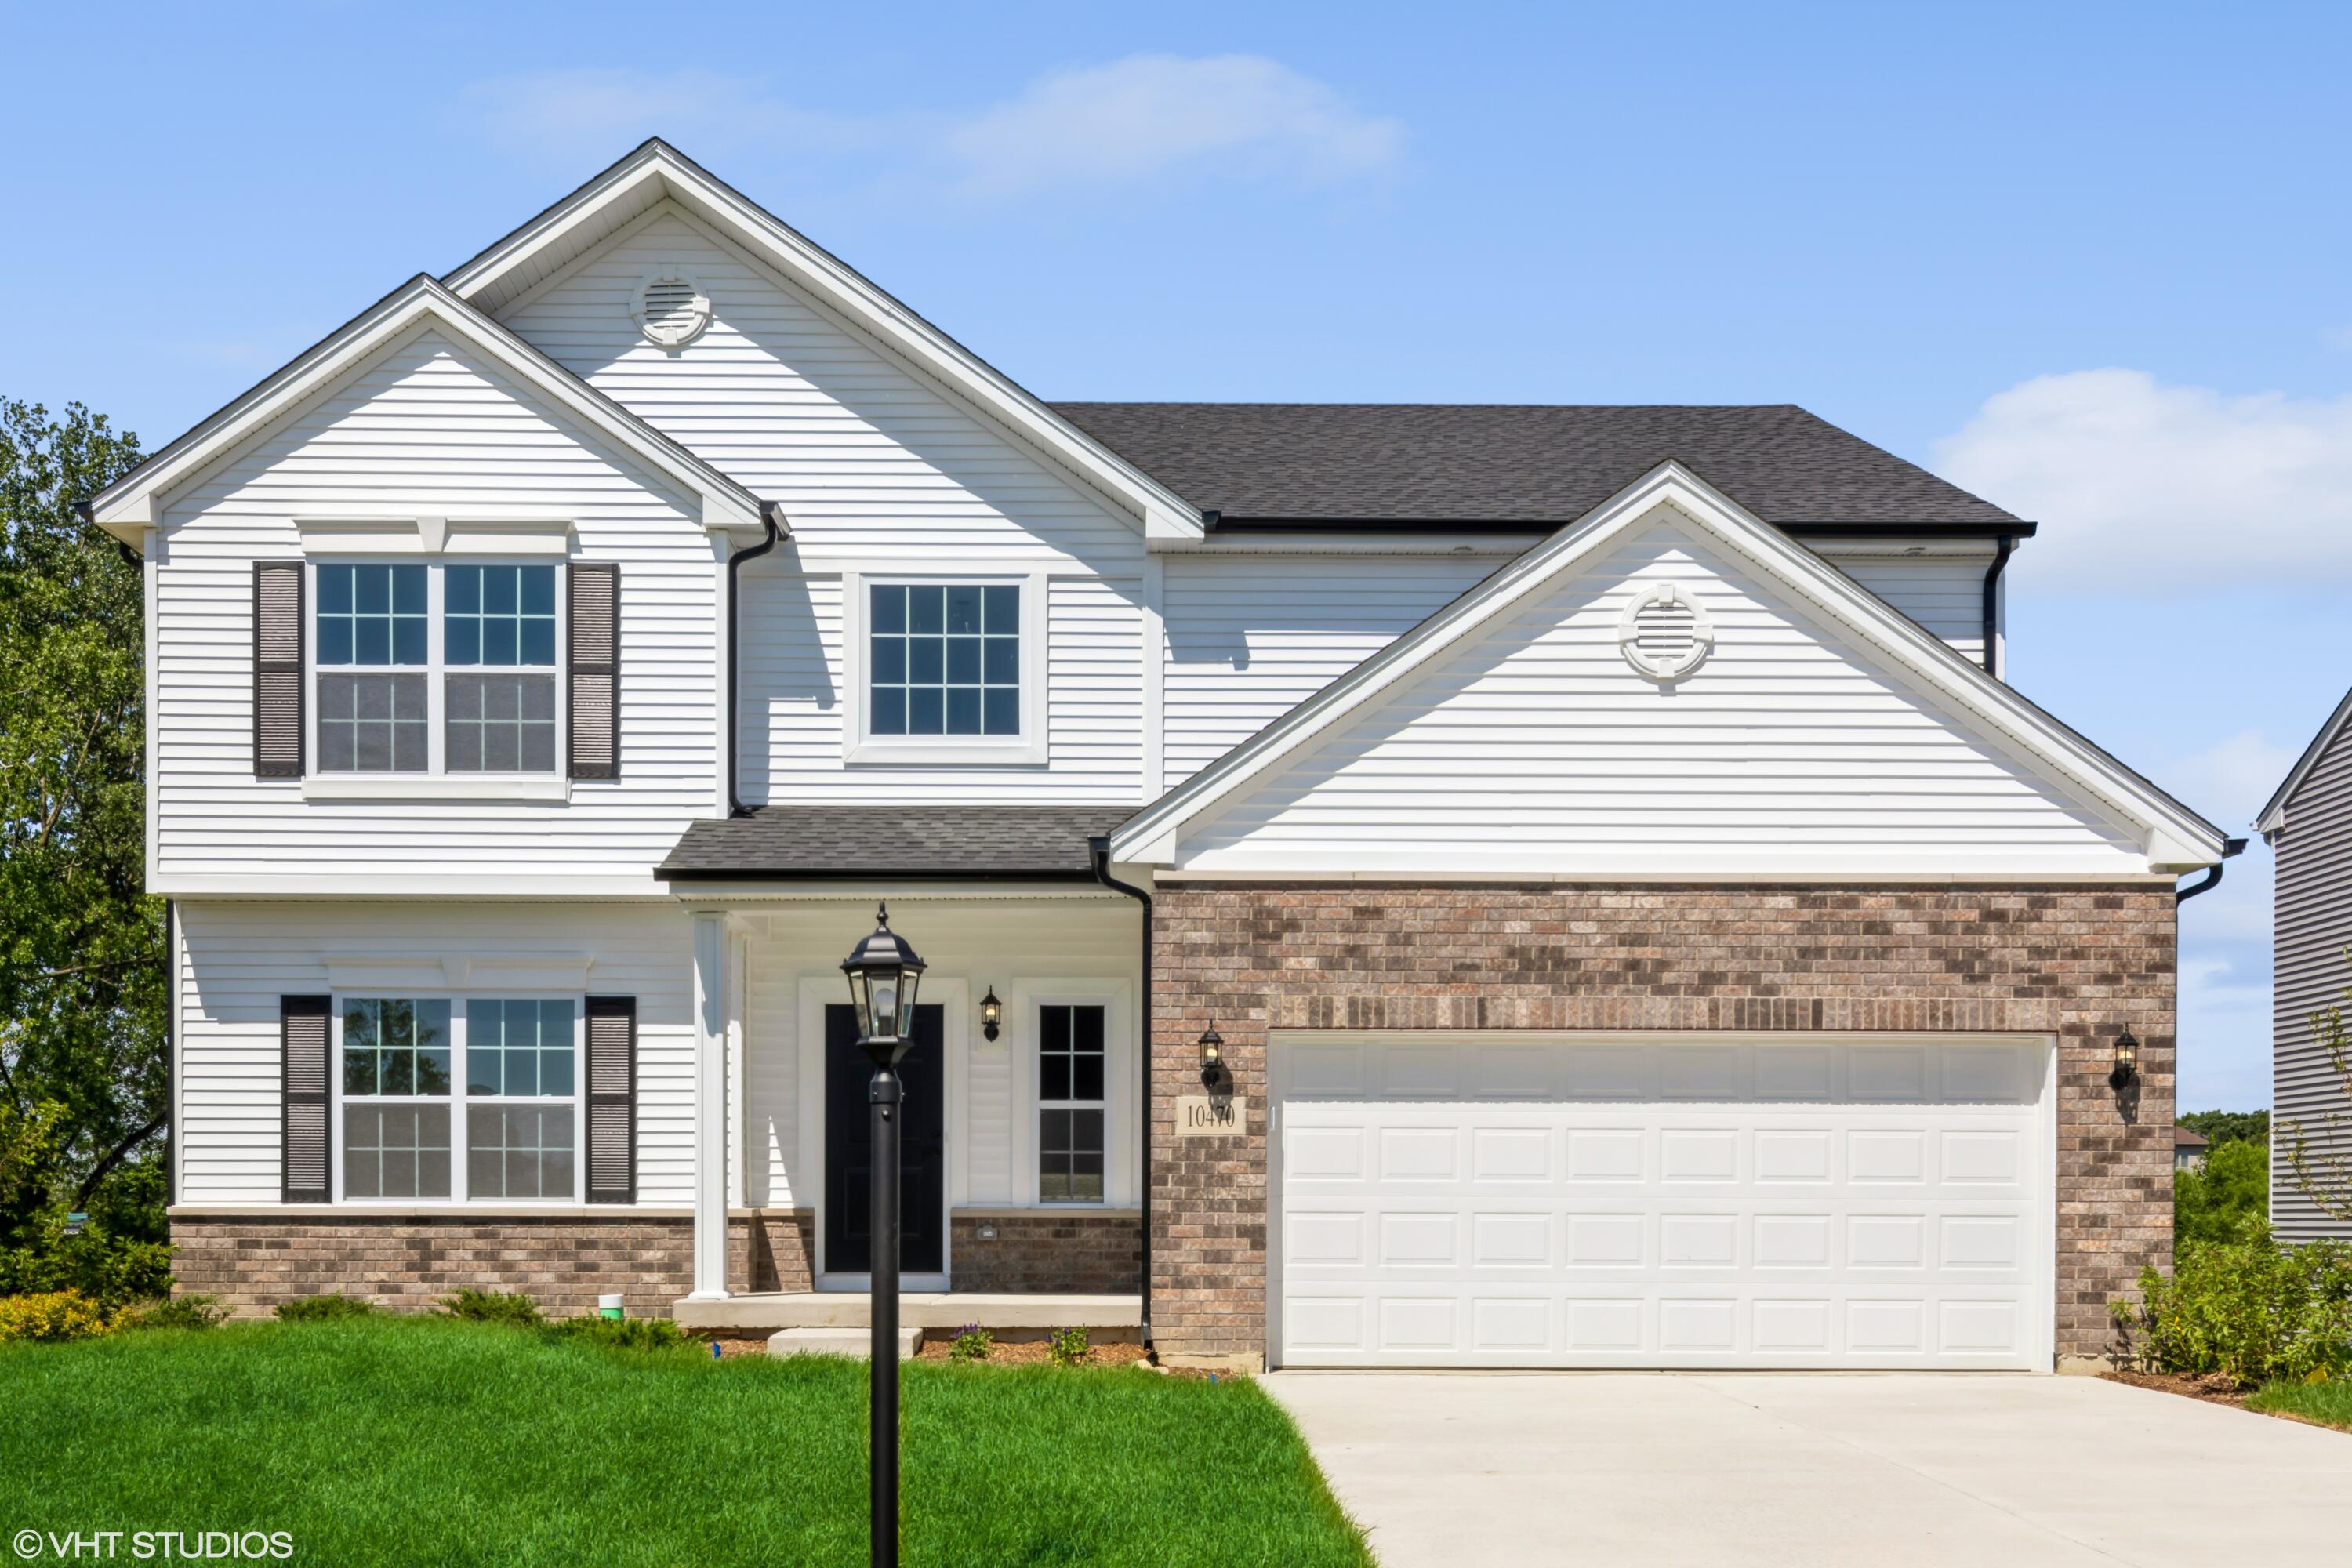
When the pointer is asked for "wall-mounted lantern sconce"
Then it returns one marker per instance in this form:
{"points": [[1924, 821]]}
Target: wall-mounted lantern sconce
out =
{"points": [[991, 1017], [1213, 1072], [2126, 1072]]}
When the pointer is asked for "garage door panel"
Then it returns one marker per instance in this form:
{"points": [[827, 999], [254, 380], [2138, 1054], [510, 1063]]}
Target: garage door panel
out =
{"points": [[1490, 1229]]}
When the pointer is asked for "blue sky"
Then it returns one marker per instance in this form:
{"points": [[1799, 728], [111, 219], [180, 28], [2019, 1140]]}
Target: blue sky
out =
{"points": [[2087, 260]]}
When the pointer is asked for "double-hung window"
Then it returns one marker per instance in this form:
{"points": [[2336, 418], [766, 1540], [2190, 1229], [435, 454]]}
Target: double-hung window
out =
{"points": [[1070, 1071], [473, 1100], [436, 668]]}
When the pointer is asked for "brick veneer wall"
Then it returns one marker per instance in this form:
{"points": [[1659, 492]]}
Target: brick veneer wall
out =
{"points": [[2073, 961], [1047, 1251], [252, 1262]]}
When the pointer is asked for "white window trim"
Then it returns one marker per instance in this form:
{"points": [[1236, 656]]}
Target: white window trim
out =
{"points": [[1026, 749], [435, 782], [1115, 998], [457, 1100]]}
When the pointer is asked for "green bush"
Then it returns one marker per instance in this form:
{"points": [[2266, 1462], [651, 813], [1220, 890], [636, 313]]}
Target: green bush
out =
{"points": [[624, 1333], [51, 1316], [325, 1309], [494, 1307], [2229, 1200], [1068, 1347], [2247, 1311], [190, 1311], [972, 1343]]}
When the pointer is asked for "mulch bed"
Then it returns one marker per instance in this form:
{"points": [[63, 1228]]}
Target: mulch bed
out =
{"points": [[2211, 1387], [1004, 1353]]}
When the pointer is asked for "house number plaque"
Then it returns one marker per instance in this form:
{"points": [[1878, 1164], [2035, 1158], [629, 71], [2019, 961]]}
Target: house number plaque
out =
{"points": [[1204, 1116]]}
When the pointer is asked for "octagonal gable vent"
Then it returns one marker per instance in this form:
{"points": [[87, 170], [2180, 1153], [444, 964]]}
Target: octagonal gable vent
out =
{"points": [[1664, 633], [671, 309]]}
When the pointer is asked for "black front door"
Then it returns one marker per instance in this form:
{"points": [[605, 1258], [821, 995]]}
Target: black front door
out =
{"points": [[849, 1147]]}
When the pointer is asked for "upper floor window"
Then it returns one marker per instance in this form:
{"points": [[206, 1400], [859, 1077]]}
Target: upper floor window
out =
{"points": [[393, 697], [944, 658]]}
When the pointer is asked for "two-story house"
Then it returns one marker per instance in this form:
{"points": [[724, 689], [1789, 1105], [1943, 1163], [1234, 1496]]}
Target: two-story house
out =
{"points": [[1637, 924]]}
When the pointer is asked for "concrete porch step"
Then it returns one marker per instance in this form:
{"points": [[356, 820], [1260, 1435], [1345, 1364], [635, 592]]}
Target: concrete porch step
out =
{"points": [[855, 1344], [1106, 1316]]}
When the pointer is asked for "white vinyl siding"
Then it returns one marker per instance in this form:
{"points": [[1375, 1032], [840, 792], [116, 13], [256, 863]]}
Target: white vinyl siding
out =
{"points": [[794, 691], [1251, 637], [1944, 594], [237, 959], [421, 432], [1534, 746]]}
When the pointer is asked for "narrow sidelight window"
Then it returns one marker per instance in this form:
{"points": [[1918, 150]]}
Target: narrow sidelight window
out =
{"points": [[1070, 1067]]}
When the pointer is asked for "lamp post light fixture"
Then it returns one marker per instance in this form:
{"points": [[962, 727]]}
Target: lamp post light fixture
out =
{"points": [[991, 1017], [2126, 1072], [1214, 1074], [883, 973]]}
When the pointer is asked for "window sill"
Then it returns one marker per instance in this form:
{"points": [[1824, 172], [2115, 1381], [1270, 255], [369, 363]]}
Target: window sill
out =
{"points": [[931, 753], [439, 787]]}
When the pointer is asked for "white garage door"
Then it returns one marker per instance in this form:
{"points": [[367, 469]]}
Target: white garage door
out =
{"points": [[1757, 1202]]}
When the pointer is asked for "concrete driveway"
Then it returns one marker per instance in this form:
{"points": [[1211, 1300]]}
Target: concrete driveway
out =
{"points": [[1988, 1470]]}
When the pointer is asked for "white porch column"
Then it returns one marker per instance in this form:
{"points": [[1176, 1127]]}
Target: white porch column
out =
{"points": [[710, 1107]]}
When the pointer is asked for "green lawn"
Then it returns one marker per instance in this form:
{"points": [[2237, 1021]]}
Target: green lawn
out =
{"points": [[2327, 1402], [420, 1440]]}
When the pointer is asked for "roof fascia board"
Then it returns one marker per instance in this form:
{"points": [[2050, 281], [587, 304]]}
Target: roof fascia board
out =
{"points": [[139, 498], [2174, 834], [1989, 533], [1164, 515], [2273, 813]]}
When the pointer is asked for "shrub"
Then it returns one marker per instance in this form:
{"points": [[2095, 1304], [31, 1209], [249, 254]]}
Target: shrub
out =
{"points": [[2229, 1200], [494, 1307], [325, 1309], [625, 1333], [51, 1316], [191, 1311], [2248, 1311], [1068, 1347], [972, 1343]]}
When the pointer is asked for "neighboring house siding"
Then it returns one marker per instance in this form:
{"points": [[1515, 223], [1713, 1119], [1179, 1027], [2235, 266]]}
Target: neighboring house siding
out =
{"points": [[1535, 746], [238, 958], [2313, 903], [1944, 594], [420, 431], [1250, 637]]}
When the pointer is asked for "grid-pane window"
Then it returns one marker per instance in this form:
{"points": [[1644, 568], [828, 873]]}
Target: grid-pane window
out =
{"points": [[396, 1151], [518, 1048], [395, 1045], [944, 658], [1070, 1068], [499, 620], [371, 624], [518, 1151]]}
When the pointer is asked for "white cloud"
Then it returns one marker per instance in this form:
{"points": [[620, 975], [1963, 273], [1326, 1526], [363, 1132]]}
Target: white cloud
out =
{"points": [[1151, 116], [1144, 118], [2230, 780], [2144, 485]]}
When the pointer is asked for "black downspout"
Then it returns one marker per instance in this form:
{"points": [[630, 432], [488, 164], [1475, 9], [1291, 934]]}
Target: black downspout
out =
{"points": [[1099, 849], [772, 515], [2229, 847], [2001, 550]]}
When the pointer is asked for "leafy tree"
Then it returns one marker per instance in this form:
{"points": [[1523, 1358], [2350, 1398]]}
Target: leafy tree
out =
{"points": [[2229, 1200], [2319, 1148], [83, 1104], [2220, 1126]]}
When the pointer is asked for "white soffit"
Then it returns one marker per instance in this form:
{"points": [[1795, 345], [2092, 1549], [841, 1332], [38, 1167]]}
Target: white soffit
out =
{"points": [[2177, 838], [135, 502], [656, 172]]}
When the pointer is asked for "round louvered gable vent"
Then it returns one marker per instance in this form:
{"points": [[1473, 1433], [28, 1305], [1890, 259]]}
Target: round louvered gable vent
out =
{"points": [[671, 309], [1664, 633]]}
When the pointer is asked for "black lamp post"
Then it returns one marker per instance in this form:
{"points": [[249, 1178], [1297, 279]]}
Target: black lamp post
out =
{"points": [[883, 973]]}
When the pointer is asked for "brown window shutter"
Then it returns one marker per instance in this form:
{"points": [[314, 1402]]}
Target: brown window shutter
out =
{"points": [[611, 1100], [303, 1095], [592, 705], [277, 670]]}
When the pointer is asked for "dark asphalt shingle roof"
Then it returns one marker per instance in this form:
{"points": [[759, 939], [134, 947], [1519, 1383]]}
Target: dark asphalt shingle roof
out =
{"points": [[786, 841], [1467, 463]]}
